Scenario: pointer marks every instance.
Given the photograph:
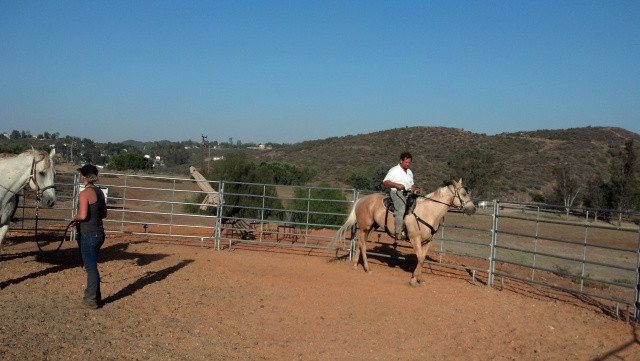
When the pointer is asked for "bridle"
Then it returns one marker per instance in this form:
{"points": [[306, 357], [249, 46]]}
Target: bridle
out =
{"points": [[33, 178], [456, 194]]}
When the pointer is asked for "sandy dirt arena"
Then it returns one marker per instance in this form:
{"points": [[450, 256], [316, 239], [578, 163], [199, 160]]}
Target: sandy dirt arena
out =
{"points": [[171, 300]]}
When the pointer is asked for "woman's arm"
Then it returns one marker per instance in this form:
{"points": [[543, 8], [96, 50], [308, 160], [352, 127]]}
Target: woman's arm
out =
{"points": [[83, 207]]}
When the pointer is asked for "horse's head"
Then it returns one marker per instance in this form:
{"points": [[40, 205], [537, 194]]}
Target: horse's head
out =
{"points": [[461, 199], [42, 177]]}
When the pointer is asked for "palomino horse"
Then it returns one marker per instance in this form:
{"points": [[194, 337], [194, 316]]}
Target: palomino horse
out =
{"points": [[33, 168], [421, 224]]}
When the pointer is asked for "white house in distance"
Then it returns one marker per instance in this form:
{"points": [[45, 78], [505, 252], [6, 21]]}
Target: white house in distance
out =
{"points": [[157, 162]]}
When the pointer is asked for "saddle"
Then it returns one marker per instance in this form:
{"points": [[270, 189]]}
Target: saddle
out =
{"points": [[387, 202]]}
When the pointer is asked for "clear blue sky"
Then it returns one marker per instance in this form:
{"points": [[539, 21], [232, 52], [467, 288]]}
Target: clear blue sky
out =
{"points": [[289, 71]]}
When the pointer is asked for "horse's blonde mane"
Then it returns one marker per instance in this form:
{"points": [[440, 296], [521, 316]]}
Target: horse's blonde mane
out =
{"points": [[437, 191]]}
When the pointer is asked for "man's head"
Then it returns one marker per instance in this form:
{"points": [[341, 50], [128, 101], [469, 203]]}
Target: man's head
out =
{"points": [[405, 155], [405, 160]]}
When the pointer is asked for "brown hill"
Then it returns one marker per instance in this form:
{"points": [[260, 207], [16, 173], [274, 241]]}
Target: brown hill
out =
{"points": [[527, 157]]}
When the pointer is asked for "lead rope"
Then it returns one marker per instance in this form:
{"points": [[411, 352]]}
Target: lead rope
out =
{"points": [[36, 230]]}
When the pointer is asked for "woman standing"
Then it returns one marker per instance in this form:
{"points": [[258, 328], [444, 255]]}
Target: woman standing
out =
{"points": [[92, 209]]}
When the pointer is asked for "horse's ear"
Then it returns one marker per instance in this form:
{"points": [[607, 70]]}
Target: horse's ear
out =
{"points": [[460, 182]]}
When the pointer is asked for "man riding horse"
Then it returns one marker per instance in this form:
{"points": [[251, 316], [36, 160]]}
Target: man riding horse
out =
{"points": [[400, 180]]}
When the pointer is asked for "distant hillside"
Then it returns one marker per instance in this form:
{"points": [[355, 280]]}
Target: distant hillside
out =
{"points": [[528, 157]]}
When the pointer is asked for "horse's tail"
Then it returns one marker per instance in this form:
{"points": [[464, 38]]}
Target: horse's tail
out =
{"points": [[351, 220]]}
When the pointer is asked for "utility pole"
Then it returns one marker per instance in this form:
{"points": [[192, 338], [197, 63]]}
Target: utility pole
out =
{"points": [[202, 162]]}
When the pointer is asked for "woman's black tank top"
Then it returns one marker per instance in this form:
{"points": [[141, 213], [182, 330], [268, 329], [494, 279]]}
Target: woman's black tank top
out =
{"points": [[93, 222]]}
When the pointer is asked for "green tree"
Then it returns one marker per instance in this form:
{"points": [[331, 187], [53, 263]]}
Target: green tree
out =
{"points": [[624, 179], [368, 180], [323, 206], [127, 161], [287, 174], [597, 195], [12, 148], [359, 180], [243, 192], [566, 187]]}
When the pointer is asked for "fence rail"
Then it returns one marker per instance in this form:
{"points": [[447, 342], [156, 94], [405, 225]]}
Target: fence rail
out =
{"points": [[592, 252]]}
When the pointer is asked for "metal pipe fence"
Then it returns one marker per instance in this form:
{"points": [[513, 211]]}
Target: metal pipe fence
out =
{"points": [[589, 252]]}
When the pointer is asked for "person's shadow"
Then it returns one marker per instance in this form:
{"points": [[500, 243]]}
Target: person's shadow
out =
{"points": [[69, 257]]}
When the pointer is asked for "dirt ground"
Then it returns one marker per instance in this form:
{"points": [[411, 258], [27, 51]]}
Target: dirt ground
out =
{"points": [[171, 300]]}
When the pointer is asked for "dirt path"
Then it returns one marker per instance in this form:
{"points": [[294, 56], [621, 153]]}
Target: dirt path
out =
{"points": [[168, 301]]}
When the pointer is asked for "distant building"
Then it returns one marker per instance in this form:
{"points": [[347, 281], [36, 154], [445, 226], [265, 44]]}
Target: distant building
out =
{"points": [[261, 147]]}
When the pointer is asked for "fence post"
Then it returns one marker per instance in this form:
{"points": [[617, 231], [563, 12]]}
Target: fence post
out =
{"points": [[218, 232], [636, 311], [494, 239]]}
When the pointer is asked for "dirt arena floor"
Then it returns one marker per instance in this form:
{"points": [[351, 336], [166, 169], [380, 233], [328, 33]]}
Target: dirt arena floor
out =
{"points": [[166, 300]]}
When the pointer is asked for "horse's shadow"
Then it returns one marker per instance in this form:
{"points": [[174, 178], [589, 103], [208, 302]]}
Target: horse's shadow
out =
{"points": [[69, 257], [394, 257]]}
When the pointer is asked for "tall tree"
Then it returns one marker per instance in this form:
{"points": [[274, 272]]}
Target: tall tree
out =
{"points": [[567, 187], [624, 180], [596, 194]]}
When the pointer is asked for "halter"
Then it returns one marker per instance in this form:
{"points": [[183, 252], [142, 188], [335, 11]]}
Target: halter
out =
{"points": [[456, 194], [32, 177], [39, 192]]}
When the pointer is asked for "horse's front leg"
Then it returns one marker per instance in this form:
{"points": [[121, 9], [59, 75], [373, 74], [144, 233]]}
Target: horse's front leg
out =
{"points": [[421, 253], [3, 232]]}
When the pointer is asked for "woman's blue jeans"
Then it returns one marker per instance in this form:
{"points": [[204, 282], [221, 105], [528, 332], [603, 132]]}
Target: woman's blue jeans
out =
{"points": [[90, 244]]}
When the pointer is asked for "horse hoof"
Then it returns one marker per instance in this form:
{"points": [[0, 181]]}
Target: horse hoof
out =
{"points": [[412, 282], [370, 272], [355, 268]]}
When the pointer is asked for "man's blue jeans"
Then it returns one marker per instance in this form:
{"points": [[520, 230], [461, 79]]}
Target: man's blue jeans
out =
{"points": [[90, 244]]}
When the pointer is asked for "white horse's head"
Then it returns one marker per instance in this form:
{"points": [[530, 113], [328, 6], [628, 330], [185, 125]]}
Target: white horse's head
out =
{"points": [[42, 177]]}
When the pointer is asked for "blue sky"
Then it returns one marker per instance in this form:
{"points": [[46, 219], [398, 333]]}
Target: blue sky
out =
{"points": [[290, 71]]}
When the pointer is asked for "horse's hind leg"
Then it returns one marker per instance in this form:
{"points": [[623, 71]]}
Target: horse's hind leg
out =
{"points": [[356, 255], [362, 245]]}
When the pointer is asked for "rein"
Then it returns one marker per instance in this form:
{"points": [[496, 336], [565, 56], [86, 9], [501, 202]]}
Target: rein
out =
{"points": [[456, 193], [39, 191], [32, 177]]}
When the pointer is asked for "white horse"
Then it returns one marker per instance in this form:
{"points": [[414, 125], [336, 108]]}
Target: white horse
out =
{"points": [[32, 168]]}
